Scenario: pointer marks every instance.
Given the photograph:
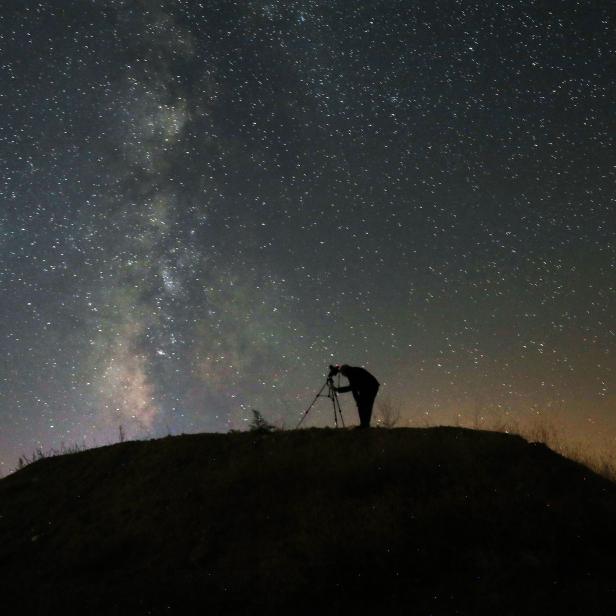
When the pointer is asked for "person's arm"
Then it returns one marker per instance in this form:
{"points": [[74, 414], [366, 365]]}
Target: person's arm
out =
{"points": [[343, 390]]}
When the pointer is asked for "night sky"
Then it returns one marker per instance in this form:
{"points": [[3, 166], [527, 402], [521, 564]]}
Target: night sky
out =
{"points": [[203, 204]]}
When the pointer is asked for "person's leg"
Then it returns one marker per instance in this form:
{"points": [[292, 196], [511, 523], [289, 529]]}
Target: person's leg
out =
{"points": [[358, 402], [368, 403], [364, 407]]}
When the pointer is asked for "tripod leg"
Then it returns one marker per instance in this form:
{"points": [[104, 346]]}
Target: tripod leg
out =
{"points": [[311, 405], [337, 403]]}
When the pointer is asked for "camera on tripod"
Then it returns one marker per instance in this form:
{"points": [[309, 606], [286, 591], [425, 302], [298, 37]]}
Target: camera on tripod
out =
{"points": [[333, 371], [331, 394]]}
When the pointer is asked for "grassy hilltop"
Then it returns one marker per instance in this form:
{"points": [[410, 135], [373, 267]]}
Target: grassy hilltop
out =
{"points": [[405, 521]]}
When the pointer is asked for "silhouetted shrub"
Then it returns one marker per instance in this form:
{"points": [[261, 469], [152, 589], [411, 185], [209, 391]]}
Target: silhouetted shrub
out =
{"points": [[260, 424]]}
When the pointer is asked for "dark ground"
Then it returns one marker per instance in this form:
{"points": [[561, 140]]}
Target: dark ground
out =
{"points": [[406, 521]]}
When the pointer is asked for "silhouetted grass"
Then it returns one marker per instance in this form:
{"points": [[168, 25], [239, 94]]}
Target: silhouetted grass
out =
{"points": [[422, 521], [541, 429], [40, 453]]}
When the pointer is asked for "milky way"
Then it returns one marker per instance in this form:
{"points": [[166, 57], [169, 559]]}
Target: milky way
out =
{"points": [[203, 204]]}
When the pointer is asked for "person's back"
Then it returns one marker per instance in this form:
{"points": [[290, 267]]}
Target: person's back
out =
{"points": [[359, 378]]}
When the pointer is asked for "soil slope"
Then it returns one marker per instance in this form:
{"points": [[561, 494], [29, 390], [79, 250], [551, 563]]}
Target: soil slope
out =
{"points": [[413, 521]]}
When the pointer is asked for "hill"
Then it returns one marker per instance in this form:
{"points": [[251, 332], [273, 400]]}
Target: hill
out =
{"points": [[421, 521]]}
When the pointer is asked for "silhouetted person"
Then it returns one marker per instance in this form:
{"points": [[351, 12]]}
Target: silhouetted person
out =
{"points": [[364, 388]]}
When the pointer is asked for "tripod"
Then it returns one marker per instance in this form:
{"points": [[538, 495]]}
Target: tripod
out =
{"points": [[332, 394]]}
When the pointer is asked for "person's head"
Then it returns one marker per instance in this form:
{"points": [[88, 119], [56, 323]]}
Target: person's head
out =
{"points": [[344, 370]]}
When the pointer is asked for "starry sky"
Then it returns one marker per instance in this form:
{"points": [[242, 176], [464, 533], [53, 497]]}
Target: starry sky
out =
{"points": [[203, 204]]}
